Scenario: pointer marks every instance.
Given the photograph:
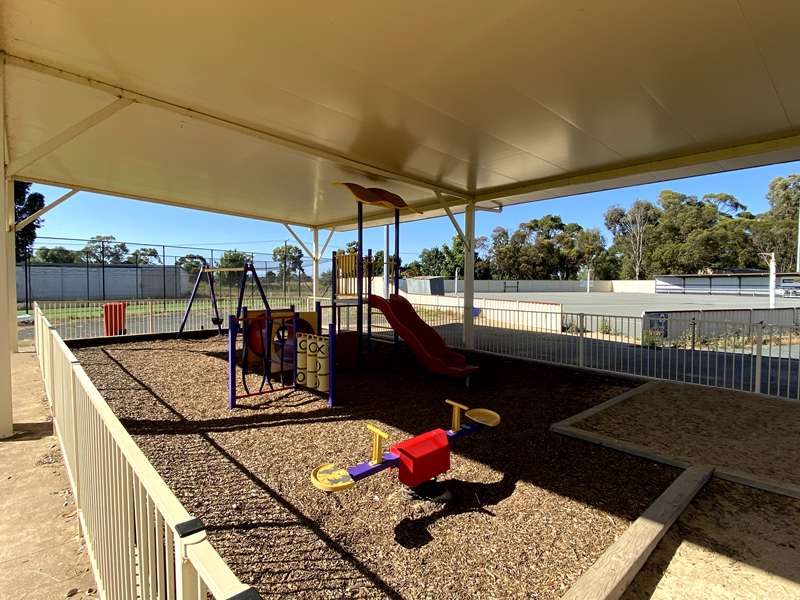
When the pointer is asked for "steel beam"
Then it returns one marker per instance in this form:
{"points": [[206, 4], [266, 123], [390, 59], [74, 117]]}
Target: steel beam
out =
{"points": [[242, 127], [70, 133], [299, 241], [27, 221], [452, 218]]}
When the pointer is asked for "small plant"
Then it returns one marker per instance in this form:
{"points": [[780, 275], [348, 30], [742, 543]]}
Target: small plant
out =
{"points": [[652, 338], [605, 327]]}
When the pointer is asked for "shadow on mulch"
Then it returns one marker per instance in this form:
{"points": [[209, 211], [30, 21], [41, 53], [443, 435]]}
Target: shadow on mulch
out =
{"points": [[466, 497], [271, 437]]}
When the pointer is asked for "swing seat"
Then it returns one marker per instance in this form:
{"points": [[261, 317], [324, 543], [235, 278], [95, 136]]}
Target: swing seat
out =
{"points": [[216, 320]]}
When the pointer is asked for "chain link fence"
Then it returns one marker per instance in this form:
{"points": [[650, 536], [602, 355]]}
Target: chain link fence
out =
{"points": [[70, 269]]}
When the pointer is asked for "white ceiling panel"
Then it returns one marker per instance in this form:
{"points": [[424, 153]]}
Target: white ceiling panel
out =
{"points": [[258, 108]]}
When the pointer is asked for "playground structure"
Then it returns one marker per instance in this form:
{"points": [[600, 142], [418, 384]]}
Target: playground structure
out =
{"points": [[348, 275], [418, 459], [272, 344]]}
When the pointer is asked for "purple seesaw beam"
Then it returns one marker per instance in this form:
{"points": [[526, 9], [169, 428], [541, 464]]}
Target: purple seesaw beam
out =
{"points": [[365, 469]]}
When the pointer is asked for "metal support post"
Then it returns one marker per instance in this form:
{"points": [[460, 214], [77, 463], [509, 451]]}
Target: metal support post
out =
{"points": [[360, 280], [469, 275], [759, 351], [315, 265], [6, 348], [369, 293], [386, 259], [164, 274], [103, 267]]}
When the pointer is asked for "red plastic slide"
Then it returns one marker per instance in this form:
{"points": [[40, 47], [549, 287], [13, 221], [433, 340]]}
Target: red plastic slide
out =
{"points": [[423, 339]]}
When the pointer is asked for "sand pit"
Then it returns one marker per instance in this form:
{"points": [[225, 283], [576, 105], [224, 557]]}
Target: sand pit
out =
{"points": [[731, 542], [731, 430]]}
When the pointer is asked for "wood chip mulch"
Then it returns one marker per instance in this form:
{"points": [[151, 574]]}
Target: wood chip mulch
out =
{"points": [[531, 509]]}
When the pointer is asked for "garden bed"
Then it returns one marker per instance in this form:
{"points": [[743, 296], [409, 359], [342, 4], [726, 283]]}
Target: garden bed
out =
{"points": [[531, 509]]}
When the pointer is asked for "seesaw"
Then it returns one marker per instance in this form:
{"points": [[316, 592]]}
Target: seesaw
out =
{"points": [[418, 459]]}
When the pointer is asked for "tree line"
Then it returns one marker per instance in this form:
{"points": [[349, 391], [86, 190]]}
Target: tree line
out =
{"points": [[676, 234]]}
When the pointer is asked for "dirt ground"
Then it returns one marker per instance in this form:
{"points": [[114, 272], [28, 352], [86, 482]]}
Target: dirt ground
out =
{"points": [[42, 555], [753, 434], [531, 509], [731, 542]]}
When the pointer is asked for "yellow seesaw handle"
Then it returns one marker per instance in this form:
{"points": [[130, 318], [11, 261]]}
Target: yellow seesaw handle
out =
{"points": [[378, 436], [455, 423]]}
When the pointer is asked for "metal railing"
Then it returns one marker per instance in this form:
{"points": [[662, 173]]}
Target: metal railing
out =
{"points": [[142, 543], [76, 320], [759, 358]]}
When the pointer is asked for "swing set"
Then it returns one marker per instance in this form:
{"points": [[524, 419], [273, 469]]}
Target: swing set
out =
{"points": [[269, 340]]}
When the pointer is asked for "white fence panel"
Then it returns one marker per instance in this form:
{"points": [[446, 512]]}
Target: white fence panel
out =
{"points": [[141, 541], [727, 354]]}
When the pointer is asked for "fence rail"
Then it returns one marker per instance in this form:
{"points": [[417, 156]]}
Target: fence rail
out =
{"points": [[141, 541], [756, 357], [75, 320], [684, 347]]}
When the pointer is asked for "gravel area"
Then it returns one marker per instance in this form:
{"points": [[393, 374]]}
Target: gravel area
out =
{"points": [[732, 541], [753, 434], [531, 509]]}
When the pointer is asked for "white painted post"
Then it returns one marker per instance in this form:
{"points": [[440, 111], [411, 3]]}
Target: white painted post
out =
{"points": [[6, 416], [469, 275], [386, 254], [797, 256], [581, 359], [588, 279], [315, 258], [455, 283], [772, 272], [759, 351], [9, 240]]}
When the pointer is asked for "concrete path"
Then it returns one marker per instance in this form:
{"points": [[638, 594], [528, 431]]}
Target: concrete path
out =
{"points": [[42, 556]]}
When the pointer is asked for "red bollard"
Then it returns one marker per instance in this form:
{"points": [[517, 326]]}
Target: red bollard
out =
{"points": [[113, 318]]}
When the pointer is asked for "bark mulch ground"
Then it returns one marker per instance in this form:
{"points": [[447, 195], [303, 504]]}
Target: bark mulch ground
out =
{"points": [[531, 509]]}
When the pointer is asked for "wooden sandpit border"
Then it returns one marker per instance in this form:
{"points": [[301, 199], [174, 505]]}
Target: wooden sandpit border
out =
{"points": [[567, 427], [613, 572]]}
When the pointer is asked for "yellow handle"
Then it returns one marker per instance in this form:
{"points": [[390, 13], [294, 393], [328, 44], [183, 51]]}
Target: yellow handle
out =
{"points": [[455, 423], [378, 436]]}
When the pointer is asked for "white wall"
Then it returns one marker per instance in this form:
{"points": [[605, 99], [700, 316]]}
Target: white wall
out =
{"points": [[496, 286], [518, 314], [66, 282], [631, 286]]}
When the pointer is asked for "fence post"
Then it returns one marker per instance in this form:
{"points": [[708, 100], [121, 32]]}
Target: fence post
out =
{"points": [[580, 340], [75, 467], [149, 316], [759, 349], [185, 575]]}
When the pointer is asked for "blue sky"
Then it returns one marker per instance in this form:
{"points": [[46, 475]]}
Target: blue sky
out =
{"points": [[88, 214]]}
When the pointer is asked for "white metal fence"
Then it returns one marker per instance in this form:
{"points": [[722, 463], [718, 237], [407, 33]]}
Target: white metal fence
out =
{"points": [[760, 358], [142, 542], [728, 353]]}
